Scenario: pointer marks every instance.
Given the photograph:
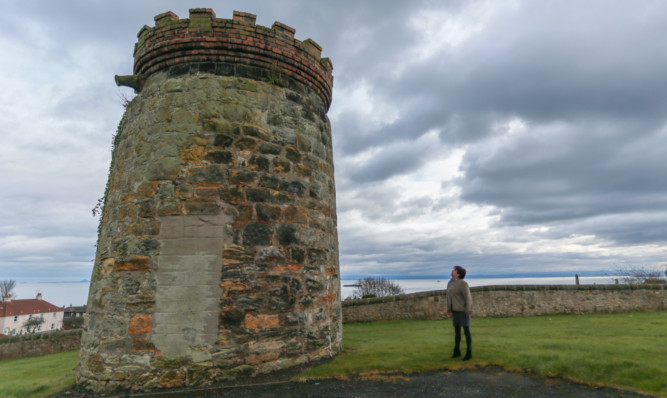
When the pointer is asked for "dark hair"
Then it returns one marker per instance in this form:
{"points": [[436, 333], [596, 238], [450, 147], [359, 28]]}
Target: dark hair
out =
{"points": [[461, 271]]}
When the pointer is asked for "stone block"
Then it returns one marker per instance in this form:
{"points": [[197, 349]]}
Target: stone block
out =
{"points": [[192, 155], [270, 181], [132, 263], [296, 214], [268, 213], [257, 131], [243, 177], [268, 148], [173, 378], [165, 168], [140, 324], [202, 208], [232, 196], [257, 235], [169, 208], [220, 157], [246, 144], [258, 162], [261, 321], [237, 254], [222, 140], [292, 154], [207, 193], [221, 126], [287, 234], [281, 165], [296, 254], [207, 174]]}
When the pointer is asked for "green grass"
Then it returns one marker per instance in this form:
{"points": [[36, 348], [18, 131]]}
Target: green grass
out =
{"points": [[625, 350], [37, 376]]}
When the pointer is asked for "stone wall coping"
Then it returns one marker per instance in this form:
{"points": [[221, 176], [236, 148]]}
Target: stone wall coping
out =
{"points": [[57, 334], [439, 293]]}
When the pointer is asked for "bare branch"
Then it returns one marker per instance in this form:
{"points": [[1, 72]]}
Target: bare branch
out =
{"points": [[633, 274], [6, 287], [376, 287]]}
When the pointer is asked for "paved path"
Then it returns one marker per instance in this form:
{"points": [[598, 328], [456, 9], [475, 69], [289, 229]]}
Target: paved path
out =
{"points": [[488, 383]]}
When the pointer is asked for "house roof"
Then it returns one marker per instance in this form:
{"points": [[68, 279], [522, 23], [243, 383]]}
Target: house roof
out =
{"points": [[75, 308], [27, 307]]}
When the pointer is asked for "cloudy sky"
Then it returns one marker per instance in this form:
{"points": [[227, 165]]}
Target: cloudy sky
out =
{"points": [[506, 136]]}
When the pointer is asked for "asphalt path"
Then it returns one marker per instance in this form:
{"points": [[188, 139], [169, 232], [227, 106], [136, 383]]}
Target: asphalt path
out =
{"points": [[486, 382]]}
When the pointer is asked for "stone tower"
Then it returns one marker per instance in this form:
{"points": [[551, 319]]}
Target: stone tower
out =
{"points": [[217, 255]]}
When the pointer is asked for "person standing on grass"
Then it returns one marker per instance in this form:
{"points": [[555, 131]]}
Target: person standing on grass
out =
{"points": [[459, 307]]}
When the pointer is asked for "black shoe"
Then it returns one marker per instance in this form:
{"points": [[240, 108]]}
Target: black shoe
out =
{"points": [[468, 356], [457, 353]]}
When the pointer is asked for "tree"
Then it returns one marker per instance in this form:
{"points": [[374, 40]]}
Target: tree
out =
{"points": [[376, 287], [6, 288], [640, 274], [32, 324]]}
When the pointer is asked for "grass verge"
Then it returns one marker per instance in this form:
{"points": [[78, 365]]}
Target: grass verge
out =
{"points": [[37, 376], [624, 350]]}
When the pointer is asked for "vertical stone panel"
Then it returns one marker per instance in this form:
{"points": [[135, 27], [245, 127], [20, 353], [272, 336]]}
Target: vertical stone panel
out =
{"points": [[187, 301], [217, 253]]}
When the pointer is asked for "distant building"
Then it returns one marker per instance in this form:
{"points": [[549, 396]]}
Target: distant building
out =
{"points": [[15, 313], [75, 311]]}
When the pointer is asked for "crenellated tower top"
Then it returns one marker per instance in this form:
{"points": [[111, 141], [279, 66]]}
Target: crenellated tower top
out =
{"points": [[230, 47]]}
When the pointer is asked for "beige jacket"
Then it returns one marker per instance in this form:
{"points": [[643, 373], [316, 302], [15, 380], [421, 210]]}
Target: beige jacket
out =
{"points": [[458, 296]]}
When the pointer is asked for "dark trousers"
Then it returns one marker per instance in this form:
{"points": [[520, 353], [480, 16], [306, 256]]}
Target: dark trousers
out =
{"points": [[457, 339]]}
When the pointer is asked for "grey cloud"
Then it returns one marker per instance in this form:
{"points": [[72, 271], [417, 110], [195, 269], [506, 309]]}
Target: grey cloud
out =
{"points": [[572, 174], [415, 120], [380, 259], [620, 229], [528, 66], [393, 160]]}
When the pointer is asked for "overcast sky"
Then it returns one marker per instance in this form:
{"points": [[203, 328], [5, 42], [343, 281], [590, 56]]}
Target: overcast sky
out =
{"points": [[507, 137]]}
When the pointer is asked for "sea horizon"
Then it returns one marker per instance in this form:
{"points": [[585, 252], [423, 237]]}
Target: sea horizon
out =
{"points": [[66, 293], [429, 284]]}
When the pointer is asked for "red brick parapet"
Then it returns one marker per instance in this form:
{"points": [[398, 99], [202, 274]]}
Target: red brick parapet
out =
{"points": [[230, 47]]}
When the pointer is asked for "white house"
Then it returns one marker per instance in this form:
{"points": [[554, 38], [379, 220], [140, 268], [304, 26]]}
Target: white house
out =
{"points": [[15, 313]]}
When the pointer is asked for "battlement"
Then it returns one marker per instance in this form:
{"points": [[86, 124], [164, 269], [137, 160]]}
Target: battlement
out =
{"points": [[231, 47]]}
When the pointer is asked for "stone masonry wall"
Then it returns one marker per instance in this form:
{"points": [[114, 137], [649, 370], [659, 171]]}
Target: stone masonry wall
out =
{"points": [[217, 255], [504, 301], [38, 344]]}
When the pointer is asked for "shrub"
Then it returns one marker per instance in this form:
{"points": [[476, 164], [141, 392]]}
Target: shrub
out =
{"points": [[376, 287]]}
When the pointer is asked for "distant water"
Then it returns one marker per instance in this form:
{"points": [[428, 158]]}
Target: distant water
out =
{"points": [[426, 285], [76, 293]]}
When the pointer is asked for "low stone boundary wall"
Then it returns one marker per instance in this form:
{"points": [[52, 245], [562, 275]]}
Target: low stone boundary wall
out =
{"points": [[505, 301], [33, 345]]}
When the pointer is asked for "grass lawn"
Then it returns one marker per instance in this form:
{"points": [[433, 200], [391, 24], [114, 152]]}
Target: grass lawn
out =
{"points": [[626, 350], [37, 376]]}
